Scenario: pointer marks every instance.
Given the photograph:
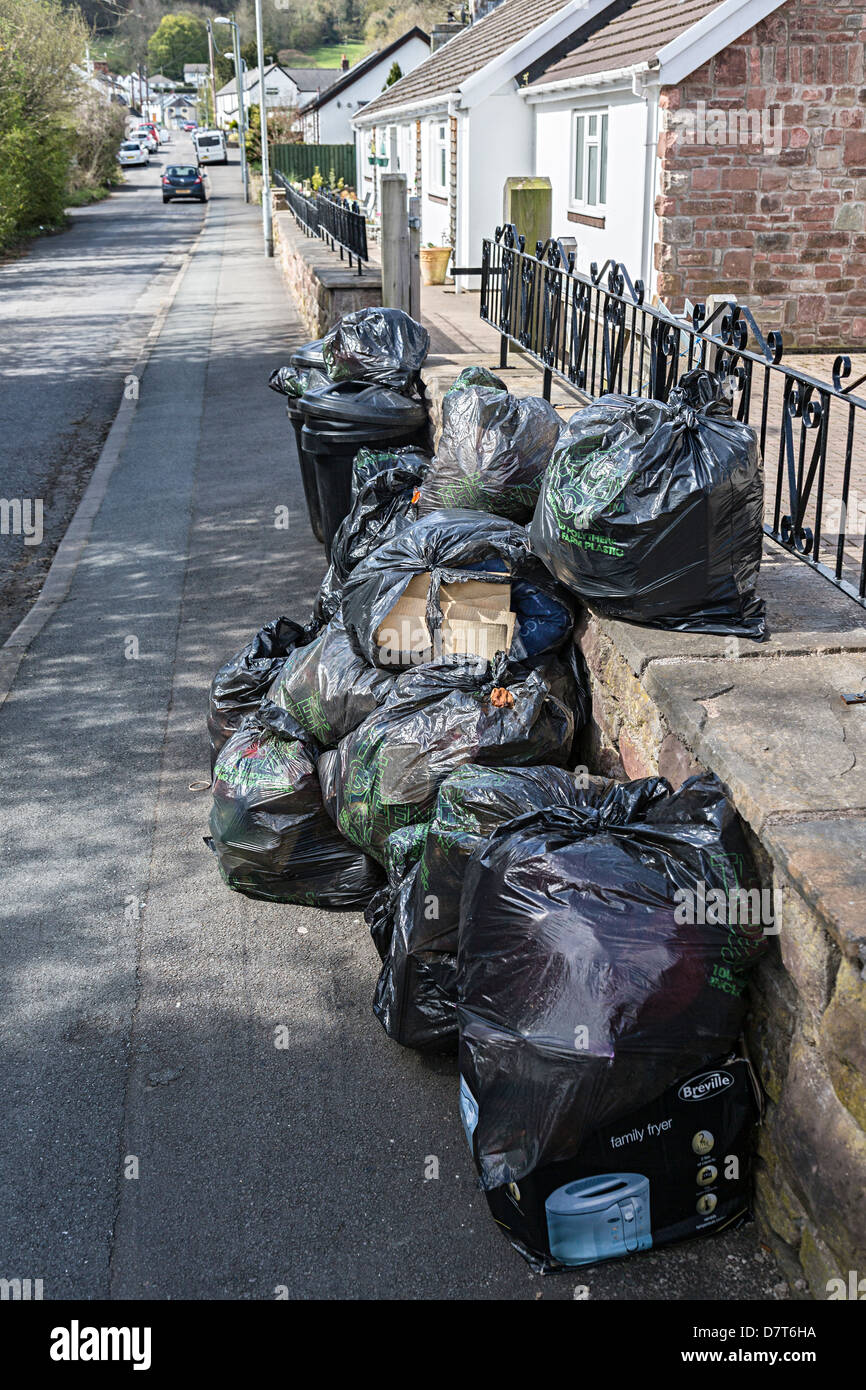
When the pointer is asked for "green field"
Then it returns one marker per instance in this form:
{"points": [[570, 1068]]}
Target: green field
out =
{"points": [[328, 56]]}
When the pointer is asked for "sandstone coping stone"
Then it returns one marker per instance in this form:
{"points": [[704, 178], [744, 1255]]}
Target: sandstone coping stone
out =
{"points": [[775, 731]]}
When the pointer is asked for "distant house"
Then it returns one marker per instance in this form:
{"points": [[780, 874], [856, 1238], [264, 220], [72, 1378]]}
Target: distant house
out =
{"points": [[179, 108], [326, 118], [284, 87], [160, 83], [196, 74], [711, 146]]}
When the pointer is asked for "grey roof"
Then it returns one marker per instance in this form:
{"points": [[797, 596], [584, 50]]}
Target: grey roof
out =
{"points": [[631, 36], [314, 79], [251, 77], [323, 78], [466, 53]]}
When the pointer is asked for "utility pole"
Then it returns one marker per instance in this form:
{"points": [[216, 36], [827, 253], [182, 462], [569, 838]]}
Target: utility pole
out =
{"points": [[267, 226], [240, 69], [210, 61]]}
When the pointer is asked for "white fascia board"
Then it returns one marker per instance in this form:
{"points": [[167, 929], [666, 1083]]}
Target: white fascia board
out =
{"points": [[566, 86], [723, 26], [410, 111], [529, 48]]}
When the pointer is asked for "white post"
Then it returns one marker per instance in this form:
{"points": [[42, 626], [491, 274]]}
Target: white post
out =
{"points": [[267, 226], [395, 243], [415, 258]]}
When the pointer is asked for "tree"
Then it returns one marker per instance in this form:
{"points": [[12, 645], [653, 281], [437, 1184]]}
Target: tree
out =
{"points": [[282, 130], [393, 76], [180, 39], [41, 50], [99, 130]]}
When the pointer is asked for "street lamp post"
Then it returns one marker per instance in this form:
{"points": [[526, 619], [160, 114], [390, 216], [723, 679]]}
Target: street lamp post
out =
{"points": [[240, 69], [267, 227]]}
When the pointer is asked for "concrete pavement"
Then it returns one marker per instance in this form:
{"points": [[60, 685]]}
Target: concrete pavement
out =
{"points": [[155, 1143], [73, 311]]}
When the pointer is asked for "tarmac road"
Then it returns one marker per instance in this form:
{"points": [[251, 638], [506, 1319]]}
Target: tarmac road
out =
{"points": [[71, 309], [155, 1143]]}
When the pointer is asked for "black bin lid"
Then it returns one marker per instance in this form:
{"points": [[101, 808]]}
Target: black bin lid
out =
{"points": [[359, 403], [310, 355], [319, 438]]}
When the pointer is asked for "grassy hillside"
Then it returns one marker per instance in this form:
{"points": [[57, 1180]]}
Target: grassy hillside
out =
{"points": [[325, 56]]}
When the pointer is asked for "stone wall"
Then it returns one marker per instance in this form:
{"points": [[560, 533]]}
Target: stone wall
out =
{"points": [[775, 217], [322, 286]]}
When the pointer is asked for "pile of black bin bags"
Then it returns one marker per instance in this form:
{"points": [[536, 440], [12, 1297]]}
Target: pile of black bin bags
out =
{"points": [[550, 927]]}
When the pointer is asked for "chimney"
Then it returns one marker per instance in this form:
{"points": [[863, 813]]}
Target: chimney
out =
{"points": [[344, 64], [441, 33]]}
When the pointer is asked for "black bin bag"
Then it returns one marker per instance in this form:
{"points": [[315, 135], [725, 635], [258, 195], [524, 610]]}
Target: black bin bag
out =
{"points": [[660, 1174], [386, 775], [653, 512], [384, 501], [326, 688], [589, 974], [381, 345], [241, 682], [454, 547], [492, 452], [270, 832], [415, 918]]}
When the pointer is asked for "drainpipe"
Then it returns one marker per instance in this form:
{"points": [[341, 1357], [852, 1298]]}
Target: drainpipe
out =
{"points": [[648, 86], [458, 216]]}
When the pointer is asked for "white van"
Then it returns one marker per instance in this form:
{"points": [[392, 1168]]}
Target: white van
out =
{"points": [[210, 147]]}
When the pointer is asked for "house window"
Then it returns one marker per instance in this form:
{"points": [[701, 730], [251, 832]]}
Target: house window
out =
{"points": [[439, 157], [589, 189]]}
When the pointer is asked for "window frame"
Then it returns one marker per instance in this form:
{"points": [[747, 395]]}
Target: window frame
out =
{"points": [[582, 143], [438, 147]]}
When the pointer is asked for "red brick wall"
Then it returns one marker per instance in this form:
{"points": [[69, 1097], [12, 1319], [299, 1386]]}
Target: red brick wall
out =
{"points": [[782, 230]]}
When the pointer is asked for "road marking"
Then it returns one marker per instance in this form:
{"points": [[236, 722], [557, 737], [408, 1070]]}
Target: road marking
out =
{"points": [[72, 546]]}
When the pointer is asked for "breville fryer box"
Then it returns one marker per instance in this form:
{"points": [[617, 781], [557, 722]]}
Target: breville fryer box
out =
{"points": [[597, 1218], [581, 1209]]}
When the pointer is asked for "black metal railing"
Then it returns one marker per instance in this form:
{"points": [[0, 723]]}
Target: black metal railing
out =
{"points": [[305, 209], [596, 332], [336, 220], [343, 224]]}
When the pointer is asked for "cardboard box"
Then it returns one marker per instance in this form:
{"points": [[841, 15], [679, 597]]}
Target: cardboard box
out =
{"points": [[476, 621]]}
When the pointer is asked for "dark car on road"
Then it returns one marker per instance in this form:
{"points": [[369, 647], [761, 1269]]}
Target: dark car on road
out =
{"points": [[183, 181]]}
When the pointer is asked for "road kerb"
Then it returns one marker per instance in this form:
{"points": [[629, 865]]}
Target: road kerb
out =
{"points": [[72, 546]]}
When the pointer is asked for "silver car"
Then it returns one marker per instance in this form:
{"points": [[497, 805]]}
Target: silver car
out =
{"points": [[132, 152]]}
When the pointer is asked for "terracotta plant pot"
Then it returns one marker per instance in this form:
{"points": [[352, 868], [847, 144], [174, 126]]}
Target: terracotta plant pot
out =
{"points": [[434, 264]]}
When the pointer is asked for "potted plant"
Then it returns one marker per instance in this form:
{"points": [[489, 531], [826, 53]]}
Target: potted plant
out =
{"points": [[434, 263]]}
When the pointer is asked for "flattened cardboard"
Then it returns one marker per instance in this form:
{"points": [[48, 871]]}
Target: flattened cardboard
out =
{"points": [[476, 621]]}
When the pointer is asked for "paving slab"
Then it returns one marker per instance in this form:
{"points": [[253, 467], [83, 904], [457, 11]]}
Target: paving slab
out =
{"points": [[805, 614], [776, 731]]}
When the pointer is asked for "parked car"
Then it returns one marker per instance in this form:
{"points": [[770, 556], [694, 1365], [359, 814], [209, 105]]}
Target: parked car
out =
{"points": [[210, 147], [132, 152], [144, 132], [183, 181]]}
